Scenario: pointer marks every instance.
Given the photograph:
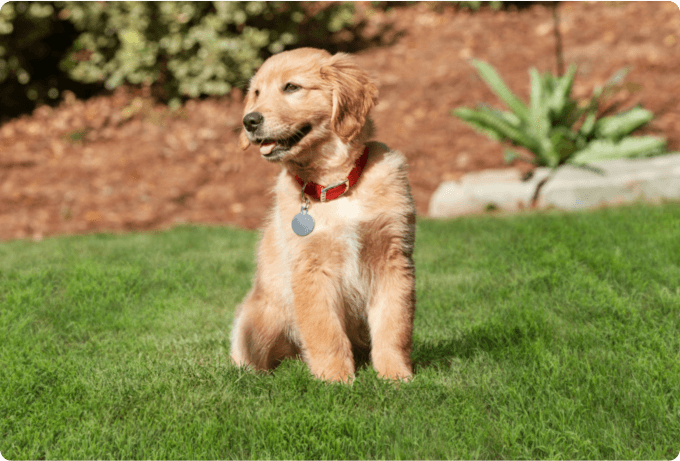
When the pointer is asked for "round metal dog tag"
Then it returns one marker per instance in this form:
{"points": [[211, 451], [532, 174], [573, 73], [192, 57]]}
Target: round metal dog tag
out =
{"points": [[303, 223]]}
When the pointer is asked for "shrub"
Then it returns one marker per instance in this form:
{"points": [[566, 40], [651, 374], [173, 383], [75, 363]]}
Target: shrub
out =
{"points": [[32, 42], [186, 49], [180, 49], [547, 126], [476, 5], [34, 22], [439, 6]]}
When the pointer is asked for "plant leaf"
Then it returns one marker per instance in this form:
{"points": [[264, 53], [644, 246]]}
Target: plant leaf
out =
{"points": [[548, 155], [539, 123], [563, 144], [617, 78], [510, 156], [559, 101], [509, 117], [617, 126], [630, 147], [607, 88], [589, 124], [468, 116], [489, 75], [496, 127], [570, 115]]}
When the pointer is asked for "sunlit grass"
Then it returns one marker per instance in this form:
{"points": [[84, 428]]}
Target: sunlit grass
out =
{"points": [[537, 336]]}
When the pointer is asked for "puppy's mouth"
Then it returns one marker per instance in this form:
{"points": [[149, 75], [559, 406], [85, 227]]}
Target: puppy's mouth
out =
{"points": [[272, 148]]}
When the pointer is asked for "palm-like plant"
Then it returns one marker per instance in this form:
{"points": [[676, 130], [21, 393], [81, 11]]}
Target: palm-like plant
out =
{"points": [[547, 126]]}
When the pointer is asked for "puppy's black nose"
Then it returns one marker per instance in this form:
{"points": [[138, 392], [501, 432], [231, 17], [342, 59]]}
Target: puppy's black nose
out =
{"points": [[252, 121]]}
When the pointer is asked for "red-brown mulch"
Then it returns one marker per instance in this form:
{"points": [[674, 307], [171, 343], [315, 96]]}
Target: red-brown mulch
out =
{"points": [[121, 162]]}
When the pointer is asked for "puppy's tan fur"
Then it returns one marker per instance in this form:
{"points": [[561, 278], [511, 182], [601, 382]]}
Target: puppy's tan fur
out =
{"points": [[350, 284]]}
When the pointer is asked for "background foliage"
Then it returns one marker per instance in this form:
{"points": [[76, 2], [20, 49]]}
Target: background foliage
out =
{"points": [[179, 49], [32, 42], [548, 125]]}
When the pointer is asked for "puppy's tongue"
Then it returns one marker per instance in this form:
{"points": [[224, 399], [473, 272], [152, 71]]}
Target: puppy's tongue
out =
{"points": [[267, 147]]}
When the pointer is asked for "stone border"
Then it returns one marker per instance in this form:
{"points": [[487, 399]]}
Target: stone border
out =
{"points": [[568, 188]]}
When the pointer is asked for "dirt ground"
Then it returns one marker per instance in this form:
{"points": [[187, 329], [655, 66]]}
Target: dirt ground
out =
{"points": [[121, 162]]}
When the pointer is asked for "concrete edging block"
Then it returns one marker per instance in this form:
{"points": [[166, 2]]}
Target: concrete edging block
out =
{"points": [[621, 181], [479, 191], [570, 188]]}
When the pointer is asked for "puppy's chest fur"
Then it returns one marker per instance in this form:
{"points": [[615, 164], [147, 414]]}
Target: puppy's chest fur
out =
{"points": [[353, 236]]}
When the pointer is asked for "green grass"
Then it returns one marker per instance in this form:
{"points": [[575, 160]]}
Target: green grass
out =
{"points": [[537, 336]]}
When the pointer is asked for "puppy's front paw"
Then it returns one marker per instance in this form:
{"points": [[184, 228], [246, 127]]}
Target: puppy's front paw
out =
{"points": [[402, 373], [334, 370]]}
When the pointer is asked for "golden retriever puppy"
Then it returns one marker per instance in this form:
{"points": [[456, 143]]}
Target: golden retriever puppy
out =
{"points": [[335, 274]]}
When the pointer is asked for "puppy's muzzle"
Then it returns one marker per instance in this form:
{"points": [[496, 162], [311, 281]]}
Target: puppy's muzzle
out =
{"points": [[253, 121]]}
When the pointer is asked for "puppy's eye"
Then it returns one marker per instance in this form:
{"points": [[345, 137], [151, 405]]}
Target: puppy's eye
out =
{"points": [[257, 93], [291, 88]]}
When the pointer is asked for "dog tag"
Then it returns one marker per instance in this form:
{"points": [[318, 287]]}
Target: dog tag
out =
{"points": [[303, 223]]}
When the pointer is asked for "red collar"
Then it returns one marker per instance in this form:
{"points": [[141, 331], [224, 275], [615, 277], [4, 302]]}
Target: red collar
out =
{"points": [[334, 191]]}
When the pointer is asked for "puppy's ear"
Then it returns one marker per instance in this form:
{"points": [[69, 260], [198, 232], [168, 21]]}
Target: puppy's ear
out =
{"points": [[243, 141], [354, 94]]}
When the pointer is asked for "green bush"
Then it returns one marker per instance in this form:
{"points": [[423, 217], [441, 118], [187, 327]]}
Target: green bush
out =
{"points": [[32, 42], [35, 19], [180, 49], [476, 5], [548, 126], [187, 49], [440, 6]]}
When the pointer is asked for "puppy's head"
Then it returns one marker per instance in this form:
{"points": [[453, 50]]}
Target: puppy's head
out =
{"points": [[303, 98]]}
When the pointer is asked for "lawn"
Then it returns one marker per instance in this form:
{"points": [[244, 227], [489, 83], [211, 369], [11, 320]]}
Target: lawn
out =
{"points": [[537, 336]]}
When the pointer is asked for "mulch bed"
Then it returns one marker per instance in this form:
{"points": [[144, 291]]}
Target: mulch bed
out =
{"points": [[122, 162]]}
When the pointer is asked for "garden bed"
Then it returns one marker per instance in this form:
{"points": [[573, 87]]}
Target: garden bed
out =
{"points": [[120, 162]]}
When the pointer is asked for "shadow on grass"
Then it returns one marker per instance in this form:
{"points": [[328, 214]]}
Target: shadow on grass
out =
{"points": [[514, 333], [494, 338]]}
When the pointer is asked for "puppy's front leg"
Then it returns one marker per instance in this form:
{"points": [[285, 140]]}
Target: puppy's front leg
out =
{"points": [[390, 318], [318, 302]]}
